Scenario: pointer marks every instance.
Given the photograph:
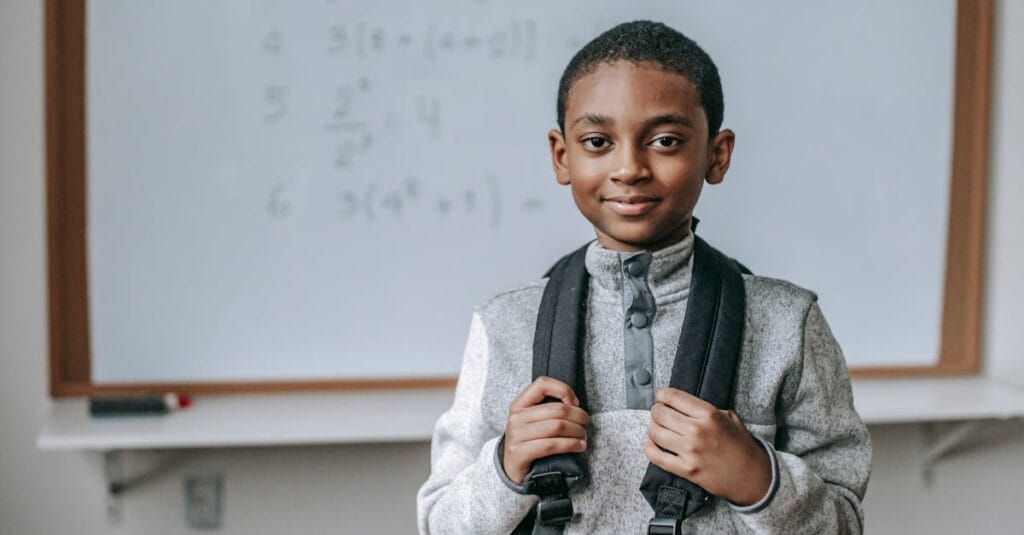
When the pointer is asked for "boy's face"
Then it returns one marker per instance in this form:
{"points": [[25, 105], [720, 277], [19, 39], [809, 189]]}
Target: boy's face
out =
{"points": [[636, 154]]}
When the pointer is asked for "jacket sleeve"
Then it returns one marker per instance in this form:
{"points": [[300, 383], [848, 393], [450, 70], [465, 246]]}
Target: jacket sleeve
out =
{"points": [[822, 448], [465, 493]]}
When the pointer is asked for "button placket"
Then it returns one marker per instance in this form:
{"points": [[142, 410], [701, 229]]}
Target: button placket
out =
{"points": [[639, 309]]}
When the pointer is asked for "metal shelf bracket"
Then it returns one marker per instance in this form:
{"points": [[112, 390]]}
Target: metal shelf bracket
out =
{"points": [[944, 440]]}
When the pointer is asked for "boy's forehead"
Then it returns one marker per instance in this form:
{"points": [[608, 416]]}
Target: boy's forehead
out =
{"points": [[614, 89]]}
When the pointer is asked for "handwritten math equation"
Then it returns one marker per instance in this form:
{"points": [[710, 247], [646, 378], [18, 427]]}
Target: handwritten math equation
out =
{"points": [[511, 40], [483, 203], [354, 134], [354, 114], [359, 40]]}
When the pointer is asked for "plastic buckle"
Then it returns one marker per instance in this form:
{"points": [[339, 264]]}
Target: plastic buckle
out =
{"points": [[555, 511], [555, 507], [547, 483], [665, 525]]}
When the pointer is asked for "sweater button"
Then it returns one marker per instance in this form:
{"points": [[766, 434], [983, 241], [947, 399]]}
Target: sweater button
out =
{"points": [[635, 269], [639, 320], [642, 377]]}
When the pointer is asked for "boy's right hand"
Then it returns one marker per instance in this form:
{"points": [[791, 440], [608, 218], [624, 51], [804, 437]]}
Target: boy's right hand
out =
{"points": [[536, 429]]}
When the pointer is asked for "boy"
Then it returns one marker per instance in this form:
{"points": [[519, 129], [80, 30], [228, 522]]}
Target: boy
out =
{"points": [[639, 112]]}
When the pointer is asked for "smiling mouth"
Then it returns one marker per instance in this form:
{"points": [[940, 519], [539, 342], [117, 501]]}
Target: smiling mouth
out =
{"points": [[631, 205]]}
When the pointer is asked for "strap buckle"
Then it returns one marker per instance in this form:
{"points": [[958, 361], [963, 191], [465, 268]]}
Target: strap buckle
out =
{"points": [[556, 511], [555, 506], [546, 484], [673, 506], [665, 525]]}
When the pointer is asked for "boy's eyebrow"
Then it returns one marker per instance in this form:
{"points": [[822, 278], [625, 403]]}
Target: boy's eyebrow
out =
{"points": [[594, 119], [657, 120], [669, 118]]}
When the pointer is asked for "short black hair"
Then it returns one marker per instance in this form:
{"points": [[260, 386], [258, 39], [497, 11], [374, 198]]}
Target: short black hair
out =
{"points": [[644, 41]]}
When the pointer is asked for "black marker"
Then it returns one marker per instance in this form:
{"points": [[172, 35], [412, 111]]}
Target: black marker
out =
{"points": [[137, 405]]}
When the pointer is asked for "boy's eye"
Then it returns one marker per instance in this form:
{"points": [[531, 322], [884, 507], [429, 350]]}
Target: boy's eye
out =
{"points": [[667, 141], [595, 142]]}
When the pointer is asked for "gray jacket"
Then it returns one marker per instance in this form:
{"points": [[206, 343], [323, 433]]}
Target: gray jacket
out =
{"points": [[792, 392]]}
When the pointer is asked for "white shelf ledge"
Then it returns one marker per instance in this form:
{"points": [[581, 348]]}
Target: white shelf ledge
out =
{"points": [[248, 420], [898, 401], [303, 419]]}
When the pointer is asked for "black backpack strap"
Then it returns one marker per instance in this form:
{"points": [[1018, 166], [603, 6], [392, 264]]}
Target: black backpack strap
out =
{"points": [[705, 366], [557, 352], [558, 340]]}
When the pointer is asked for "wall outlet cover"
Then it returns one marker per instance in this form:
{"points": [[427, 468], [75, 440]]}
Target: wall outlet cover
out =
{"points": [[204, 500]]}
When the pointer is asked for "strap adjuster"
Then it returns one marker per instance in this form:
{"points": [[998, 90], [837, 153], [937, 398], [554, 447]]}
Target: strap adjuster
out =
{"points": [[665, 525], [546, 484], [556, 511], [555, 507], [672, 507]]}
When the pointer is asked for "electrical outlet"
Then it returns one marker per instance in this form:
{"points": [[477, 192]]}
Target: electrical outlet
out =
{"points": [[204, 500]]}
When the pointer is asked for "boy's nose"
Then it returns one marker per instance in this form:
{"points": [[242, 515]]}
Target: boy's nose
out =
{"points": [[631, 170]]}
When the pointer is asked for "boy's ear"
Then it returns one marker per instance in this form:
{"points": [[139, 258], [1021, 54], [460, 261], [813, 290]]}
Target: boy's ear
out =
{"points": [[556, 141], [719, 155]]}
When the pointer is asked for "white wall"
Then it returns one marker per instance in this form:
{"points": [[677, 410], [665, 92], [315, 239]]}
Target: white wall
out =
{"points": [[371, 488], [1003, 342]]}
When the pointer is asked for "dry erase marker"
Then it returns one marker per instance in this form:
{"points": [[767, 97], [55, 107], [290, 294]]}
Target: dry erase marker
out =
{"points": [[137, 405]]}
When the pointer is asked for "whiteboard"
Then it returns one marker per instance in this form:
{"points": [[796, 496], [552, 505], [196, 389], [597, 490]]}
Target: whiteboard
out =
{"points": [[325, 191]]}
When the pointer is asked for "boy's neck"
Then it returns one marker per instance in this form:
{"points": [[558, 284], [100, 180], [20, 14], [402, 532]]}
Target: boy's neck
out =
{"points": [[681, 233]]}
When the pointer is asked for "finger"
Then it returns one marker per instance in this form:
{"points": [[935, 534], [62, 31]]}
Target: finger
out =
{"points": [[685, 403], [668, 417], [548, 429], [545, 447], [549, 411], [545, 387], [667, 439], [675, 464]]}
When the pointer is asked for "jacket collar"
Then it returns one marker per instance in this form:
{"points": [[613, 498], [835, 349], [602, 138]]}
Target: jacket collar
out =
{"points": [[668, 271]]}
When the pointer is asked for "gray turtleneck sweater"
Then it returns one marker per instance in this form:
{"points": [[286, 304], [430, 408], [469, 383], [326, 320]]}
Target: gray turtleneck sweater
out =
{"points": [[792, 393]]}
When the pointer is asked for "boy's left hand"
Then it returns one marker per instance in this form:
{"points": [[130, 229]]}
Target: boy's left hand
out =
{"points": [[692, 439]]}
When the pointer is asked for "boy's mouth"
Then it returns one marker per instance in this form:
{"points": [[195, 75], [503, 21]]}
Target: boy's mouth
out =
{"points": [[631, 205]]}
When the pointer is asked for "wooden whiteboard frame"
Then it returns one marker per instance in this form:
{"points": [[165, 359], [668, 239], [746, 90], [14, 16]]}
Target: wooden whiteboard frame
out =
{"points": [[66, 156]]}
